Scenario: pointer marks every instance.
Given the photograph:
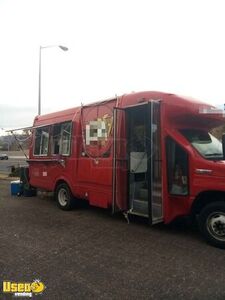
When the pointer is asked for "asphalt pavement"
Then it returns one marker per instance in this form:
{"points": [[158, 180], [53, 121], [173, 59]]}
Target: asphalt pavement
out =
{"points": [[89, 254]]}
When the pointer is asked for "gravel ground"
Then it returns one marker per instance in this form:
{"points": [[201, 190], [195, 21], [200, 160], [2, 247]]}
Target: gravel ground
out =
{"points": [[88, 254]]}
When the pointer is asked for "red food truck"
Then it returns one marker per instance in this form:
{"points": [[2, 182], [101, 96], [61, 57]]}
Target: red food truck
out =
{"points": [[149, 154]]}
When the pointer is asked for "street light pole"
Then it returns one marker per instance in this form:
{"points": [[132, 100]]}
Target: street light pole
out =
{"points": [[39, 85]]}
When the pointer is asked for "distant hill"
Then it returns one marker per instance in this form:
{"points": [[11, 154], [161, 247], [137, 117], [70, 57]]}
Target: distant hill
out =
{"points": [[9, 143]]}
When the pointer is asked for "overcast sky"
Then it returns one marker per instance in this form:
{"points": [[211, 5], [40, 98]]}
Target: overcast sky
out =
{"points": [[115, 47]]}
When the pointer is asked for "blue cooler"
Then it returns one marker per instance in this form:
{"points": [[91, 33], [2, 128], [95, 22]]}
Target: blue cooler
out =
{"points": [[16, 188]]}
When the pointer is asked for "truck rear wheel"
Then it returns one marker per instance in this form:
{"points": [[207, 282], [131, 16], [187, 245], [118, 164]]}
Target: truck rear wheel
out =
{"points": [[64, 197], [212, 223]]}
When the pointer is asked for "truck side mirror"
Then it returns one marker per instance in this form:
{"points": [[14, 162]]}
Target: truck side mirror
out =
{"points": [[223, 144]]}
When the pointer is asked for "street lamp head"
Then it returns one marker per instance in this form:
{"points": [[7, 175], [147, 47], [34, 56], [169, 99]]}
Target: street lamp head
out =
{"points": [[63, 48]]}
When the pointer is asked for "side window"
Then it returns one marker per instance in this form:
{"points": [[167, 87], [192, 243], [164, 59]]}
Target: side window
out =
{"points": [[41, 141], [65, 138], [177, 168], [61, 138], [56, 135]]}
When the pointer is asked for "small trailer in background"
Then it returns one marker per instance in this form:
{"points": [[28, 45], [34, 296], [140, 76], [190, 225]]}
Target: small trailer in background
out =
{"points": [[149, 154]]}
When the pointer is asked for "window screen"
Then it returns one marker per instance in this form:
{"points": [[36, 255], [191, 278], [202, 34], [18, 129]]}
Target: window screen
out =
{"points": [[41, 141], [61, 138]]}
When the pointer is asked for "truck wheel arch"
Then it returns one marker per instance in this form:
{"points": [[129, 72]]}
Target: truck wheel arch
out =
{"points": [[205, 198], [60, 181]]}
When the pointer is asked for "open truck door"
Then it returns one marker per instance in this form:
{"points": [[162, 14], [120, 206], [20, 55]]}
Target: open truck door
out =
{"points": [[119, 184], [137, 165]]}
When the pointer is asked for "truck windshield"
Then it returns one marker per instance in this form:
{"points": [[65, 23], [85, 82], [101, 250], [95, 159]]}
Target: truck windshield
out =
{"points": [[205, 143]]}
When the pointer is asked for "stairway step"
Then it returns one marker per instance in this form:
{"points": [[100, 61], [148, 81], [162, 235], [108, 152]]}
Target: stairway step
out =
{"points": [[140, 206]]}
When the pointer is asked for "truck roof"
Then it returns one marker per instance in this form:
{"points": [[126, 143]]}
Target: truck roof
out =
{"points": [[178, 109]]}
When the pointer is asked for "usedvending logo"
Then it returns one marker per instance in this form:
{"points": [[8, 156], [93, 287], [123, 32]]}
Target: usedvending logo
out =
{"points": [[98, 130], [23, 289]]}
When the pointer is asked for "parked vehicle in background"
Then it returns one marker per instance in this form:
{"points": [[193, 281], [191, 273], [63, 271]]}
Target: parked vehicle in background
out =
{"points": [[149, 154], [3, 156]]}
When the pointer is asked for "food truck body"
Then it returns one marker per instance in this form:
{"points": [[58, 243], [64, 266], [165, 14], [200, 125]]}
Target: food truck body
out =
{"points": [[148, 154]]}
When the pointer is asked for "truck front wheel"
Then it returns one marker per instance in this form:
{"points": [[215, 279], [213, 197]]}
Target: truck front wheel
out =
{"points": [[212, 223], [64, 197]]}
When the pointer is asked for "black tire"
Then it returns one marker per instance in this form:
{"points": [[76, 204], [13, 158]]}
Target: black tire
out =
{"points": [[212, 224], [64, 197]]}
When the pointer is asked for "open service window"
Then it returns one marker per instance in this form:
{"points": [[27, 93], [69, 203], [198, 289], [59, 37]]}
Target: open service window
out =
{"points": [[61, 138], [41, 141], [177, 168]]}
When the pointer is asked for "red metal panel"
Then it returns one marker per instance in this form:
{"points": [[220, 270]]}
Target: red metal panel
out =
{"points": [[87, 170]]}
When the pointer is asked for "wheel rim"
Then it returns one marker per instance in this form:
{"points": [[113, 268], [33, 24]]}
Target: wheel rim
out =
{"points": [[216, 225], [63, 197]]}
